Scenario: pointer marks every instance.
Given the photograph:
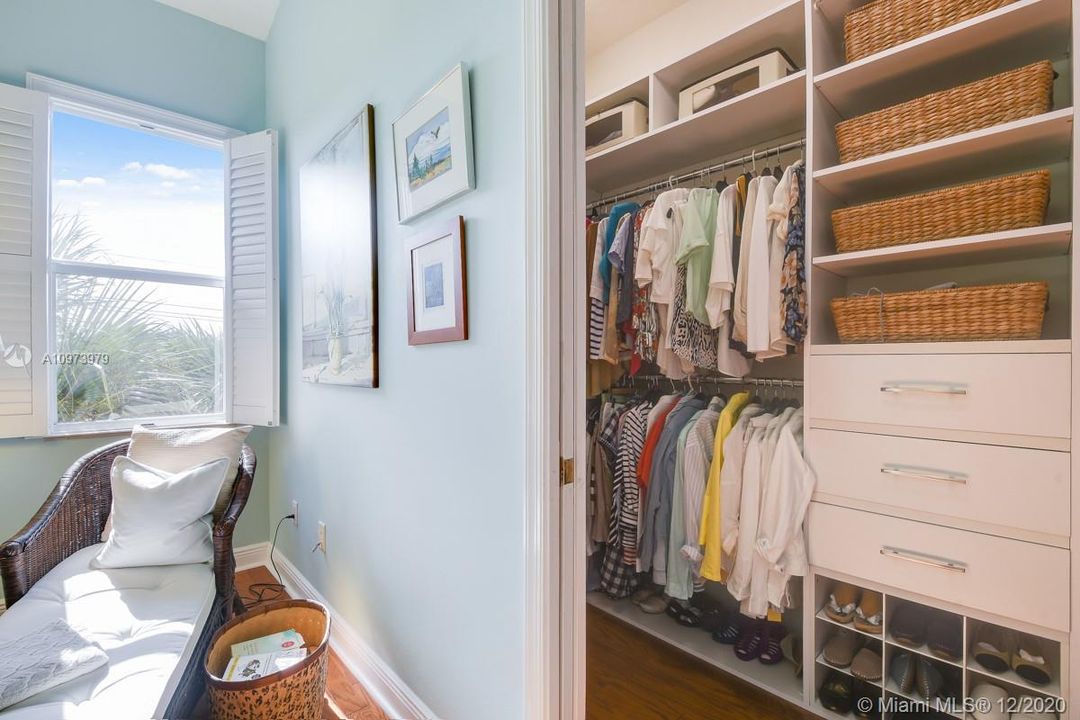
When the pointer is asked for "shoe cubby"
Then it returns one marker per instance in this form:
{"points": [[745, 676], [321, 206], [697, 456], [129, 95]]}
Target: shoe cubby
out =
{"points": [[956, 656], [1025, 664]]}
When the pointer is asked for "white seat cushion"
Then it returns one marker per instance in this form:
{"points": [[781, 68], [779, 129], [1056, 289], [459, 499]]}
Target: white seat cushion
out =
{"points": [[146, 619]]}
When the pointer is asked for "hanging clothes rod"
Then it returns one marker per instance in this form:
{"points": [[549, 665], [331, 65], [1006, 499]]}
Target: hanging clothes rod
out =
{"points": [[675, 180], [711, 380]]}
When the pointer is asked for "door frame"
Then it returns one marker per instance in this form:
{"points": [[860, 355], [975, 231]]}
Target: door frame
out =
{"points": [[554, 164]]}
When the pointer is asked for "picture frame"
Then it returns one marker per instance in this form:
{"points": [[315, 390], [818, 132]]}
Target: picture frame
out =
{"points": [[339, 259], [437, 303], [433, 147]]}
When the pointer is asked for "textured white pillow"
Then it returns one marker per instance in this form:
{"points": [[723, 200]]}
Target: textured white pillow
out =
{"points": [[174, 449], [160, 518], [43, 659]]}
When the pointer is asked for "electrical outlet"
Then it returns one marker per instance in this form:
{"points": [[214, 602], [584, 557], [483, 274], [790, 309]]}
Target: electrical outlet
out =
{"points": [[322, 536], [295, 514]]}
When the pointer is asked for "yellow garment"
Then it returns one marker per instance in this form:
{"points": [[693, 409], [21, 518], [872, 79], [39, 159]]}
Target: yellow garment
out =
{"points": [[709, 535]]}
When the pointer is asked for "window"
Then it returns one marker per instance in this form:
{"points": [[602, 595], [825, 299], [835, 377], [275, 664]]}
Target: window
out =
{"points": [[138, 265], [137, 268]]}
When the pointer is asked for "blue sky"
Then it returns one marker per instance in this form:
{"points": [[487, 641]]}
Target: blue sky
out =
{"points": [[151, 201]]}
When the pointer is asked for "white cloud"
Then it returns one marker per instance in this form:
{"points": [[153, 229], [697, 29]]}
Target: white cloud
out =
{"points": [[168, 184], [168, 172], [86, 181], [133, 166]]}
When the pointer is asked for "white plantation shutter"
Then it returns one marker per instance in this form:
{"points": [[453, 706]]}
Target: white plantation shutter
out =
{"points": [[251, 279], [24, 129]]}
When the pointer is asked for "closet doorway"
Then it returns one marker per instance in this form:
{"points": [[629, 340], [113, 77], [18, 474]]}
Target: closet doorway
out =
{"points": [[694, 120]]}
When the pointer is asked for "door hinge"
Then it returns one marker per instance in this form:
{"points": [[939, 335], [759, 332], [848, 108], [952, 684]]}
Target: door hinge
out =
{"points": [[566, 471]]}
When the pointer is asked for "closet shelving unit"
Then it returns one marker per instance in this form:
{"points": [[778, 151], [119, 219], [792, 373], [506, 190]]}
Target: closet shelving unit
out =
{"points": [[963, 674], [749, 124], [976, 515]]}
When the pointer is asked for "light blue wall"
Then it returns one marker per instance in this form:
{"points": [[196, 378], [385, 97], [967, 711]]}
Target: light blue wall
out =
{"points": [[138, 49], [143, 51], [419, 482]]}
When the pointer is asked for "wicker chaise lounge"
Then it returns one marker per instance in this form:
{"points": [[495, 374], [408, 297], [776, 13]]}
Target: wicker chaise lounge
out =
{"points": [[155, 623]]}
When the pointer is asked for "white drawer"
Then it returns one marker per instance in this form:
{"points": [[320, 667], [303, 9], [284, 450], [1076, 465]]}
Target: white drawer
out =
{"points": [[1012, 578], [1004, 487], [1012, 394]]}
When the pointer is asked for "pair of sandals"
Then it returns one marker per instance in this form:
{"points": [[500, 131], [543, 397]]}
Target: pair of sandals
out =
{"points": [[846, 649], [915, 626], [684, 613], [998, 701], [844, 694], [650, 600], [753, 639], [850, 604], [914, 673], [999, 650]]}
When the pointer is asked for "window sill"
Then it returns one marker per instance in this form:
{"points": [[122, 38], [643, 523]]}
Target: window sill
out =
{"points": [[89, 430]]}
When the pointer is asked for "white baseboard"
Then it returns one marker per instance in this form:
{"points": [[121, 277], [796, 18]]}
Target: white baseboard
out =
{"points": [[386, 688], [252, 556]]}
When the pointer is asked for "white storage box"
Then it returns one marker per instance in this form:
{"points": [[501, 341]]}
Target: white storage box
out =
{"points": [[615, 126], [742, 78]]}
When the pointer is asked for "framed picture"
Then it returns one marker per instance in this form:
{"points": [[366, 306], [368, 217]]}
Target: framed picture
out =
{"points": [[438, 305], [338, 257], [433, 147]]}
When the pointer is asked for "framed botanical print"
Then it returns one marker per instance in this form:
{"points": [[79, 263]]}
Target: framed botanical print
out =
{"points": [[438, 301], [433, 147], [339, 270]]}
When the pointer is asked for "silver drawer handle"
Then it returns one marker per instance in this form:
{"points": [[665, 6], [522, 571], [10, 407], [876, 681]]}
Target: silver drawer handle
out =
{"points": [[912, 471], [921, 559], [931, 388]]}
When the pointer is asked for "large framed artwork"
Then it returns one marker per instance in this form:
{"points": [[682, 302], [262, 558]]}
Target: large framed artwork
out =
{"points": [[437, 297], [338, 256], [433, 147]]}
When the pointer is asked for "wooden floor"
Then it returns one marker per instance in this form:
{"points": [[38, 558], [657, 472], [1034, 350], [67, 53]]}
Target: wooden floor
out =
{"points": [[345, 697], [631, 675]]}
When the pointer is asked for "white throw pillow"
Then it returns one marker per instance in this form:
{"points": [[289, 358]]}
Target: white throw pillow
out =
{"points": [[175, 449], [161, 518], [47, 657]]}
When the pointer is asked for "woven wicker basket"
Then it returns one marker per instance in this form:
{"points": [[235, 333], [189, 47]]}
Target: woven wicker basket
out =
{"points": [[1004, 203], [1005, 97], [988, 312], [292, 694], [883, 24]]}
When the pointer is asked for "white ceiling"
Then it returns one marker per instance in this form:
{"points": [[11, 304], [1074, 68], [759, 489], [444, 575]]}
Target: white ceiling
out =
{"points": [[251, 17], [608, 21]]}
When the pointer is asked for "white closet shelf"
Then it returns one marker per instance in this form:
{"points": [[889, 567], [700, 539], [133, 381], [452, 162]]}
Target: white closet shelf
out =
{"points": [[778, 679], [920, 650], [1024, 30], [944, 348], [846, 671], [894, 689], [757, 117], [1053, 689], [637, 90], [1026, 243], [1033, 141], [782, 27]]}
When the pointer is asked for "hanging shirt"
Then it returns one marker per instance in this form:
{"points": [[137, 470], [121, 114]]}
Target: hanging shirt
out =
{"points": [[655, 263], [680, 584], [656, 524], [778, 219], [729, 361], [781, 544], [738, 307], [710, 537], [625, 487], [757, 273], [696, 463], [793, 282], [731, 483], [695, 248], [608, 237], [597, 297]]}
